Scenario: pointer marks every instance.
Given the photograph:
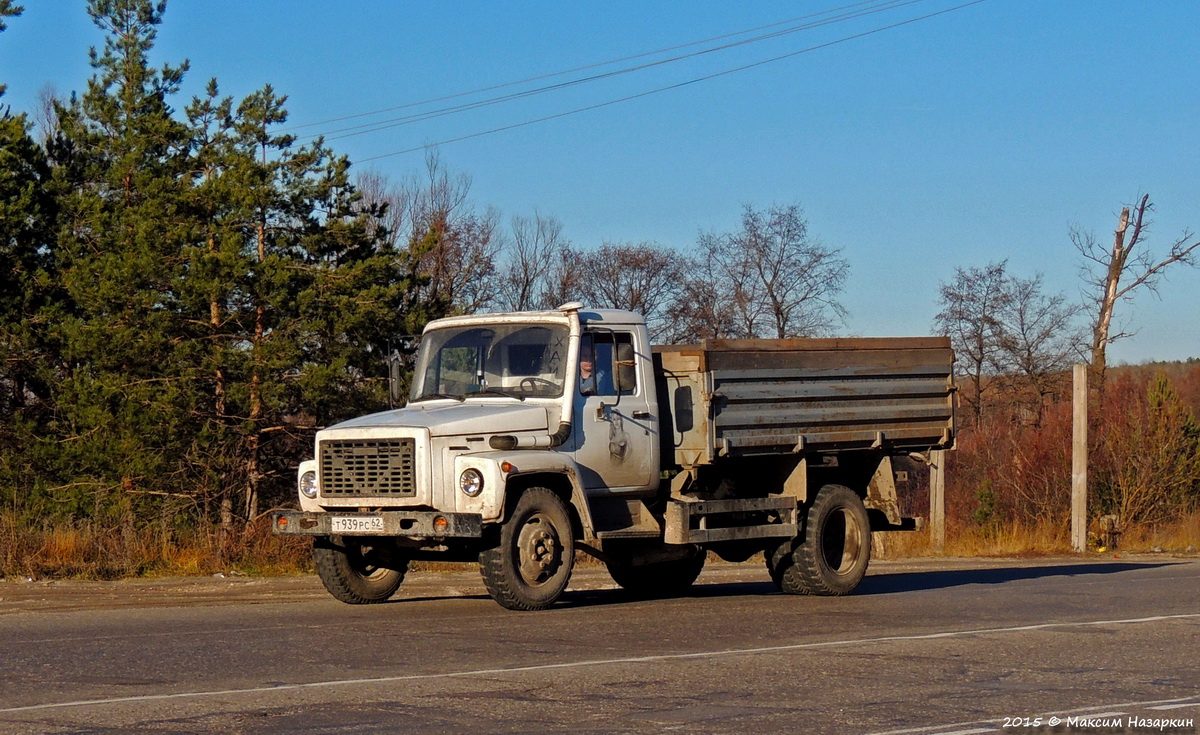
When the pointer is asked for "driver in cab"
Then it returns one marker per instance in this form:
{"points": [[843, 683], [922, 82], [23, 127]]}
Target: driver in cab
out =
{"points": [[592, 381]]}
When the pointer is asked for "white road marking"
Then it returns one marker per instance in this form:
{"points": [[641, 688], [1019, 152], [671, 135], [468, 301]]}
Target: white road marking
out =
{"points": [[1083, 711], [614, 661], [1176, 706]]}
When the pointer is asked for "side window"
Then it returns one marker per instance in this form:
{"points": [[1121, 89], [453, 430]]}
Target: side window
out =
{"points": [[595, 361], [601, 355], [624, 363]]}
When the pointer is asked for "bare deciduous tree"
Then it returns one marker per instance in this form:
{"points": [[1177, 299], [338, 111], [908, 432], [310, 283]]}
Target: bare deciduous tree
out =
{"points": [[460, 244], [45, 114], [390, 207], [702, 310], [970, 317], [455, 246], [1008, 334], [1115, 274], [563, 283], [1038, 339], [643, 277], [779, 281], [729, 288], [525, 280]]}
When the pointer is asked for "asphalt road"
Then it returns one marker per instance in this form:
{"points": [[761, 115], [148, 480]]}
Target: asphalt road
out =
{"points": [[928, 647]]}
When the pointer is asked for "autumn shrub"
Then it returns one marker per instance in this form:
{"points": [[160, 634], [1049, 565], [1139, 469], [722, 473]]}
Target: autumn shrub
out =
{"points": [[1146, 460], [1011, 474], [1009, 469]]}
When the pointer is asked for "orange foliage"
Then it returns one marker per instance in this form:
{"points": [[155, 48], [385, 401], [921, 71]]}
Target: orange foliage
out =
{"points": [[1013, 466]]}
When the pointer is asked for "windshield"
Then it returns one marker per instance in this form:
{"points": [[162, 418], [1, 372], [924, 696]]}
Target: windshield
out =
{"points": [[515, 360]]}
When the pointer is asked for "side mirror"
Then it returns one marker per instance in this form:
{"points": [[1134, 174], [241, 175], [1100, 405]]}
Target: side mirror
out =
{"points": [[395, 385], [625, 368], [684, 417]]}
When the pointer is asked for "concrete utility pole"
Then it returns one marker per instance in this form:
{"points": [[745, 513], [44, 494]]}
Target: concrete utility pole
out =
{"points": [[1079, 460], [937, 499]]}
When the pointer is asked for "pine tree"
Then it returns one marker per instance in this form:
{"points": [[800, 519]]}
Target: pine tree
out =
{"points": [[223, 291], [125, 394], [216, 261], [301, 290], [27, 212], [322, 298], [7, 10]]}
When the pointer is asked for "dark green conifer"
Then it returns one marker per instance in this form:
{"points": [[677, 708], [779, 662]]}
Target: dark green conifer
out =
{"points": [[216, 290], [127, 388], [27, 292]]}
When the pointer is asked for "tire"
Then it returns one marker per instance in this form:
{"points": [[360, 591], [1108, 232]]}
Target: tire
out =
{"points": [[345, 568], [530, 565], [778, 559], [833, 555], [661, 579]]}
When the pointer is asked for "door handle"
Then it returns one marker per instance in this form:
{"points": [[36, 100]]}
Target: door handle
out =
{"points": [[640, 415]]}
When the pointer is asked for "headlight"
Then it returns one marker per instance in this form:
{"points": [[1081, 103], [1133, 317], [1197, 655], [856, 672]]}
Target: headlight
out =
{"points": [[308, 484], [471, 482]]}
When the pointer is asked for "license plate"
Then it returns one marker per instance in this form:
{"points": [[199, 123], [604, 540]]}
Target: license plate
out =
{"points": [[356, 524]]}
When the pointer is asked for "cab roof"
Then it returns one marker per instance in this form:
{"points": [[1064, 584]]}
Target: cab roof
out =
{"points": [[586, 316]]}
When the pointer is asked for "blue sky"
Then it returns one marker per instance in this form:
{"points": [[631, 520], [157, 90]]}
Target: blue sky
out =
{"points": [[981, 134]]}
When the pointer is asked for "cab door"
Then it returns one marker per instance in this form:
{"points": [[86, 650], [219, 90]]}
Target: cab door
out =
{"points": [[616, 446]]}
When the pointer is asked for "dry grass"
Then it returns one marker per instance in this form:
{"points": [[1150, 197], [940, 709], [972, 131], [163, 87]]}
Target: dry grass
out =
{"points": [[90, 551], [1179, 536], [87, 551], [1013, 540]]}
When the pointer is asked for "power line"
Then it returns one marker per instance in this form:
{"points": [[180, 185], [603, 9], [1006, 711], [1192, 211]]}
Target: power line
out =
{"points": [[673, 86], [372, 127], [576, 69]]}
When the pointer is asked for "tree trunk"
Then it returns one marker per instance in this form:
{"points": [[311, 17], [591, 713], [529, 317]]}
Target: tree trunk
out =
{"points": [[226, 527], [1108, 300], [254, 441], [214, 320], [1144, 273]]}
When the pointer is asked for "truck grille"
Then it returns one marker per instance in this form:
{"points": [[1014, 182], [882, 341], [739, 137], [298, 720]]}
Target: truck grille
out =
{"points": [[368, 467]]}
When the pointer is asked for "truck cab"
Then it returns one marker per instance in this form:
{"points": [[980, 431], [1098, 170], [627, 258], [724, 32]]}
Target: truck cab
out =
{"points": [[500, 404]]}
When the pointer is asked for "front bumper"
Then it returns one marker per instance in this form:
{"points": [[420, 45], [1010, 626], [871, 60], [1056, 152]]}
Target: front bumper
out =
{"points": [[406, 523]]}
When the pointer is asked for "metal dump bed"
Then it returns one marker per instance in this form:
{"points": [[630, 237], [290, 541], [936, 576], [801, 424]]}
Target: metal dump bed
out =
{"points": [[729, 397]]}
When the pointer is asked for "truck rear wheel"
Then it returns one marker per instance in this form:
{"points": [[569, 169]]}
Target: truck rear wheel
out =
{"points": [[833, 555], [660, 579], [346, 570], [530, 566]]}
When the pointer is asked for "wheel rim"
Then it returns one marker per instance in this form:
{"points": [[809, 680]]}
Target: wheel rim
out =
{"points": [[362, 567], [539, 550], [841, 542]]}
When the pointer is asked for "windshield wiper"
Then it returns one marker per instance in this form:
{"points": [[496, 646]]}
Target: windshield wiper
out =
{"points": [[431, 396], [499, 392]]}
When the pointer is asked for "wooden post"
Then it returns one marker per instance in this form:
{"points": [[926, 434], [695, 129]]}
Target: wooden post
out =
{"points": [[937, 500], [1079, 461]]}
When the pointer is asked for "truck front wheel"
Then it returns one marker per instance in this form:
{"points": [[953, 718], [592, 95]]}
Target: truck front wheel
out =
{"points": [[529, 567], [832, 556], [349, 573]]}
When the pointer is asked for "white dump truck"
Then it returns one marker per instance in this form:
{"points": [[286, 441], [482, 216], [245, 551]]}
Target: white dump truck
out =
{"points": [[528, 437]]}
